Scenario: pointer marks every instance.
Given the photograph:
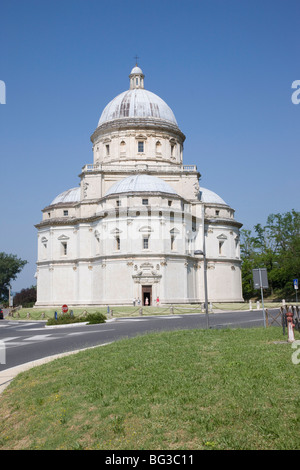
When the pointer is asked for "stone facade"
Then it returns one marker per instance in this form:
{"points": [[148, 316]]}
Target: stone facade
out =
{"points": [[133, 227]]}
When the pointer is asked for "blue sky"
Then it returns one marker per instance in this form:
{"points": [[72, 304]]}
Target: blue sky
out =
{"points": [[225, 67]]}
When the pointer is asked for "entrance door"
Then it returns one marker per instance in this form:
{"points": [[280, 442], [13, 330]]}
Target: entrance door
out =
{"points": [[147, 295]]}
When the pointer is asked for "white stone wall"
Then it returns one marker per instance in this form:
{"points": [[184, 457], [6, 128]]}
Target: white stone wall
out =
{"points": [[122, 146], [83, 264]]}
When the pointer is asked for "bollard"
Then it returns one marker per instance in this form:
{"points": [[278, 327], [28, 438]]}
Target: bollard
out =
{"points": [[257, 305], [141, 311], [291, 337], [250, 304]]}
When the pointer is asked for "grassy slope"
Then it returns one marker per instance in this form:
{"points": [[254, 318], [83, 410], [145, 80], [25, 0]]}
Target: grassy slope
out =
{"points": [[215, 389]]}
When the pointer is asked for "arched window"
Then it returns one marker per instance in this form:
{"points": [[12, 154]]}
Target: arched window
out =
{"points": [[122, 147]]}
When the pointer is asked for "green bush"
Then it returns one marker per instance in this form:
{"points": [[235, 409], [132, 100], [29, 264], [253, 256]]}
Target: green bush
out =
{"points": [[67, 318], [97, 317]]}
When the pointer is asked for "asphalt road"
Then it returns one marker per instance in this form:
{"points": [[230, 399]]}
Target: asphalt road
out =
{"points": [[25, 341]]}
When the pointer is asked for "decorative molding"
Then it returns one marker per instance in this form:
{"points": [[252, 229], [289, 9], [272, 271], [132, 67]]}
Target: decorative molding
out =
{"points": [[63, 237]]}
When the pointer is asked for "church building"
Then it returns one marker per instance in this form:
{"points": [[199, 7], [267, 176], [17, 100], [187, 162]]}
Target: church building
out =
{"points": [[138, 226]]}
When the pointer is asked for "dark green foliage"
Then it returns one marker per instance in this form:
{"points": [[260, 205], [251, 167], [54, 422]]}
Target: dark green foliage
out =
{"points": [[66, 318], [10, 266], [26, 297], [276, 246]]}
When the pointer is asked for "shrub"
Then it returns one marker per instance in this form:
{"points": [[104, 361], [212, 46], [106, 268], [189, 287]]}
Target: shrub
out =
{"points": [[67, 318], [97, 317]]}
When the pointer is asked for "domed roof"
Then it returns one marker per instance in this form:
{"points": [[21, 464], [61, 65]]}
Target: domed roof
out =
{"points": [[210, 197], [140, 183], [137, 103], [71, 195], [136, 69]]}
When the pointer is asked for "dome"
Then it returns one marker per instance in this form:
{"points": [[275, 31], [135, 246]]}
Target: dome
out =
{"points": [[137, 103], [71, 195], [210, 197], [136, 69], [140, 183]]}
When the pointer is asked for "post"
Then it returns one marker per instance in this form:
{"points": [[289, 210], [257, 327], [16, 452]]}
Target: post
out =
{"points": [[205, 267], [291, 337], [262, 297]]}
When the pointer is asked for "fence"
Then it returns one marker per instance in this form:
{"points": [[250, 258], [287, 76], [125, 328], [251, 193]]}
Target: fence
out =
{"points": [[280, 318]]}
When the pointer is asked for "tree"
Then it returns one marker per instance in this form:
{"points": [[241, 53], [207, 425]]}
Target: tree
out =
{"points": [[275, 246], [26, 297], [10, 266], [248, 255]]}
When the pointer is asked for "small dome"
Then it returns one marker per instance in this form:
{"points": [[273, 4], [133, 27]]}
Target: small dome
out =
{"points": [[136, 69], [210, 197], [140, 183], [71, 195]]}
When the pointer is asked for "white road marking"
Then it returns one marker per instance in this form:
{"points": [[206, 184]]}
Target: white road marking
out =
{"points": [[38, 338]]}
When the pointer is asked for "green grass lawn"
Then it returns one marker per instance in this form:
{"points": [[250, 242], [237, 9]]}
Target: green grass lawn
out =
{"points": [[194, 389]]}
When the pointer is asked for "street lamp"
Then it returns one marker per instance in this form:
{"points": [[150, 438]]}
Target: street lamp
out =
{"points": [[200, 252]]}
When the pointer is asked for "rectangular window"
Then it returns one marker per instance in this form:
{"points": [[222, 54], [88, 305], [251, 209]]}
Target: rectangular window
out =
{"points": [[64, 248], [145, 202], [172, 242], [118, 203], [220, 247], [118, 243], [140, 146], [194, 225], [107, 149], [145, 243], [66, 213]]}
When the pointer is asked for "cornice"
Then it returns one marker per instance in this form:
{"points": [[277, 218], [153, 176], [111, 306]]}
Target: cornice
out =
{"points": [[231, 222], [137, 123], [60, 221]]}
